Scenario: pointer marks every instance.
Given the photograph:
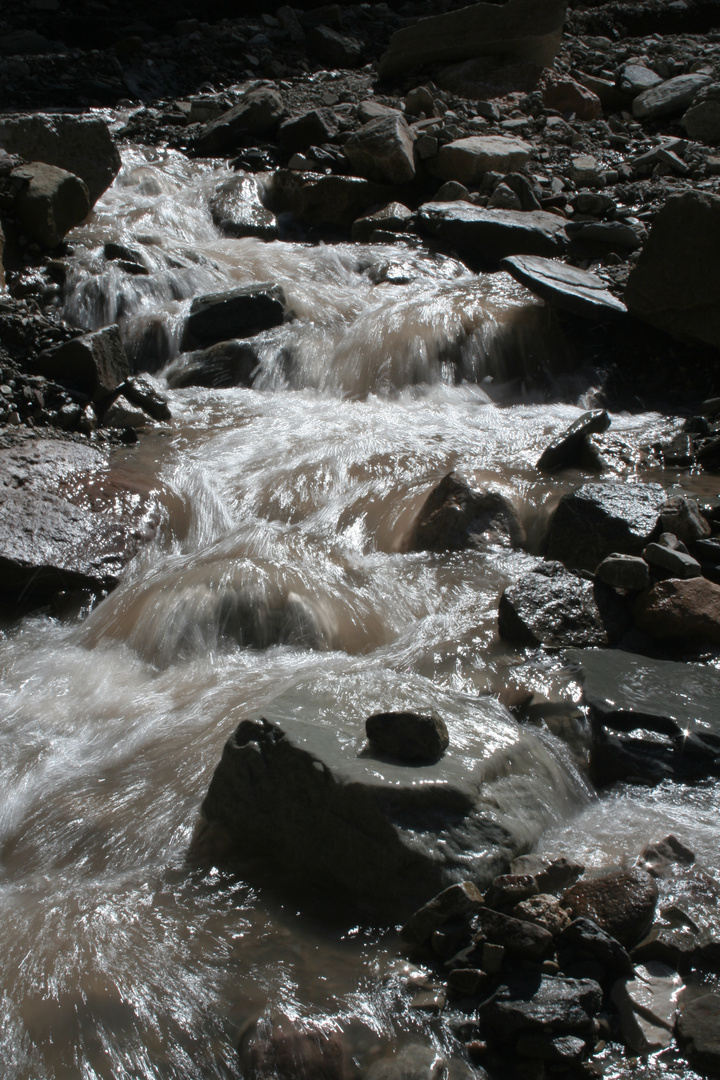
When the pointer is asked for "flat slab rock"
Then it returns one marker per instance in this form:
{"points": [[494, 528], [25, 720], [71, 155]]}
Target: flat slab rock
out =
{"points": [[698, 1031], [565, 287], [67, 520], [493, 235]]}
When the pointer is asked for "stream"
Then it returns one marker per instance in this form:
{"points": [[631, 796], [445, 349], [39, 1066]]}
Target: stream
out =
{"points": [[280, 581]]}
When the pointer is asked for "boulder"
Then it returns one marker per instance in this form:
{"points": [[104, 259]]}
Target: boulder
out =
{"points": [[455, 902], [96, 363], [330, 202], [228, 363], [599, 519], [518, 31], [123, 414], [567, 448], [681, 295], [613, 235], [82, 145], [240, 312], [698, 1031], [507, 890], [670, 98], [395, 217], [526, 939], [140, 392], [677, 609], [51, 202], [407, 736], [237, 210], [566, 95], [338, 50], [467, 160], [382, 150], [544, 1005], [624, 572], [454, 516], [702, 120], [678, 564], [633, 79], [309, 129], [257, 113], [583, 939], [552, 874], [493, 235], [681, 517], [566, 287], [556, 608], [622, 903]]}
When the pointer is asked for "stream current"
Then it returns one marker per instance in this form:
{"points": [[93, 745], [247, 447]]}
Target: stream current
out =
{"points": [[279, 581]]}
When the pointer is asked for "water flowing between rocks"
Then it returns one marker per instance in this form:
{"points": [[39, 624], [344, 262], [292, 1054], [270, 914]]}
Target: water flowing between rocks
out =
{"points": [[279, 584]]}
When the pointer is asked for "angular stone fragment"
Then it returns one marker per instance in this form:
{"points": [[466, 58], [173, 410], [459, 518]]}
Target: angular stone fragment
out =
{"points": [[395, 216], [515, 935], [257, 113], [560, 1050], [51, 202], [326, 201], [455, 901], [545, 910], [622, 903], [309, 129], [633, 79], [583, 938], [681, 609], [507, 890], [382, 150], [240, 312], [467, 160], [546, 1005], [339, 50], [140, 392], [122, 414], [702, 120], [565, 287], [454, 517], [698, 1031], [624, 572], [677, 563], [669, 98], [681, 517], [493, 235], [648, 1005], [408, 736], [598, 520], [94, 363], [566, 447]]}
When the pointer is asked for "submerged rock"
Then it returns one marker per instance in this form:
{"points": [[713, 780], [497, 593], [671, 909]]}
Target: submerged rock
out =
{"points": [[237, 210], [648, 1007], [454, 516], [420, 1062], [228, 363]]}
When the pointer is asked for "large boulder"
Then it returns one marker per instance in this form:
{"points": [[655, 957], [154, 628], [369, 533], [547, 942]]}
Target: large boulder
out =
{"points": [[382, 150], [257, 113], [493, 235], [702, 120], [520, 30], [236, 313], [598, 520], [622, 903], [669, 98], [308, 129], [454, 516], [51, 202], [96, 363], [467, 160], [81, 145], [681, 295]]}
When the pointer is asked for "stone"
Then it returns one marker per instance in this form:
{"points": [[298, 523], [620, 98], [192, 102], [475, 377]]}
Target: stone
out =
{"points": [[454, 517], [681, 517], [503, 198], [670, 98], [457, 901], [565, 287], [139, 391], [553, 607], [228, 363], [81, 145], [702, 120], [240, 312], [616, 235], [680, 609], [382, 150], [515, 935], [470, 982], [566, 95], [468, 160], [286, 1052], [648, 1007], [326, 201], [633, 79], [624, 572], [551, 874], [493, 958], [545, 910], [492, 235], [622, 902], [698, 1031], [601, 519], [562, 1050], [122, 413], [309, 129], [566, 448], [546, 1005], [658, 858], [257, 113], [584, 939], [408, 736], [584, 169], [524, 31], [420, 1062], [67, 520], [395, 216], [338, 50], [420, 102], [677, 563], [51, 202], [507, 890], [237, 210], [96, 363]]}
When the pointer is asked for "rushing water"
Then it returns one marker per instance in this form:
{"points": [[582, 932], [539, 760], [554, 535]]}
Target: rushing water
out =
{"points": [[279, 581]]}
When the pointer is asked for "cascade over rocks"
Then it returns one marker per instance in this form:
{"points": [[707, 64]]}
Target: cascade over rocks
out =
{"points": [[237, 210]]}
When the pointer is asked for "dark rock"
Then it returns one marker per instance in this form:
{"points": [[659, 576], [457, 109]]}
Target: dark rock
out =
{"points": [[680, 609], [624, 572], [309, 129], [583, 939], [229, 363], [507, 890], [615, 235], [326, 201], [122, 414], [338, 50], [565, 287], [552, 875], [257, 113], [563, 1050], [544, 910], [598, 520], [286, 1053], [470, 982], [51, 202], [566, 448], [420, 1062], [622, 903], [140, 392], [120, 252], [670, 98], [382, 150], [454, 517], [702, 120], [698, 1031], [633, 79], [516, 936], [677, 563], [681, 517], [394, 217], [408, 736], [566, 95], [556, 608], [454, 902], [95, 364], [237, 210], [658, 858], [546, 1005], [240, 312], [493, 235]]}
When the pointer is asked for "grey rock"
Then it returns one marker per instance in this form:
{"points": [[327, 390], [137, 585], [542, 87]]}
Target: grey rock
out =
{"points": [[96, 363], [228, 363], [647, 1005], [565, 287], [408, 736], [457, 901], [516, 936], [677, 563], [239, 312], [562, 1050], [257, 113], [503, 198], [698, 1031], [382, 150], [670, 98], [493, 235], [565, 449], [681, 517], [454, 516], [237, 210], [545, 910], [547, 1006], [624, 572], [611, 234], [326, 201], [452, 190], [633, 79], [468, 160], [82, 145], [122, 414], [584, 170], [394, 217], [139, 391], [309, 129], [702, 120], [598, 520], [584, 939], [51, 202]]}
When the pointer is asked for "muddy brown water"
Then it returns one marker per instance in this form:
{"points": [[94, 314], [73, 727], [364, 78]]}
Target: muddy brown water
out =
{"points": [[118, 960]]}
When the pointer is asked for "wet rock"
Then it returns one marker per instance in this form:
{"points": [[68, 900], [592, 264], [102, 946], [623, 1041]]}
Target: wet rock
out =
{"points": [[551, 874], [562, 1050], [237, 210], [681, 517], [702, 120], [515, 935], [122, 253], [382, 150], [698, 1031], [507, 890], [614, 235], [502, 198], [228, 363], [493, 235], [470, 982], [567, 448], [519, 31], [51, 202], [141, 393], [598, 520], [546, 1005], [407, 736], [457, 901], [681, 295], [394, 217], [622, 903], [257, 113], [467, 160], [677, 563], [95, 364], [285, 1052], [420, 1062], [566, 95], [658, 858], [309, 129], [565, 287], [670, 98], [583, 939], [338, 50], [680, 609], [454, 517], [624, 572], [81, 145], [123, 414], [545, 911], [648, 1007], [556, 608], [326, 201], [241, 312]]}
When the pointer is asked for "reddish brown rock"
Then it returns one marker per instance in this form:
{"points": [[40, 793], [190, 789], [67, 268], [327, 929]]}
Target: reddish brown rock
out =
{"points": [[678, 608], [621, 903], [564, 94]]}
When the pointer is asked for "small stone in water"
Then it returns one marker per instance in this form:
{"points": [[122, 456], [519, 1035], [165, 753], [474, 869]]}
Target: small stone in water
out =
{"points": [[408, 736]]}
